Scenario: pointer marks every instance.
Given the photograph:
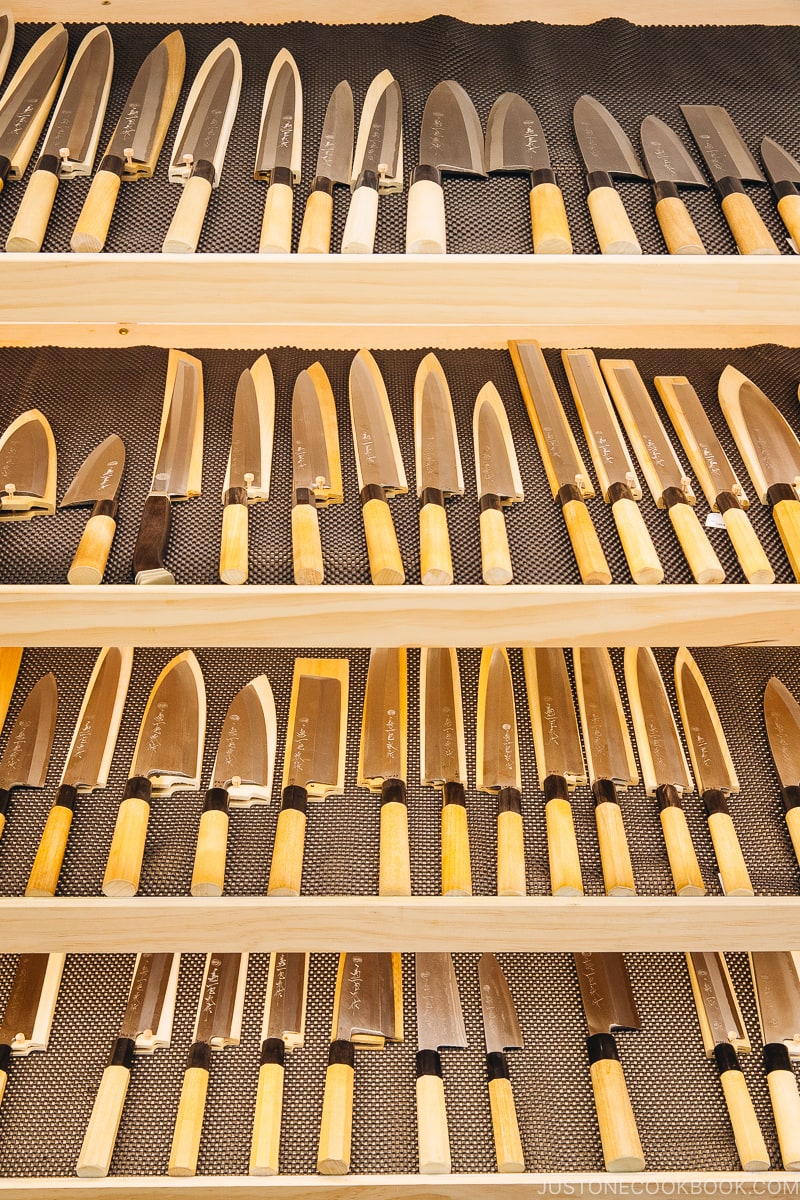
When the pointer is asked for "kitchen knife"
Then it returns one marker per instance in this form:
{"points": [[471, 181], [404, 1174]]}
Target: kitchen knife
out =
{"points": [[28, 1017], [783, 172], [501, 1031], [249, 465], [670, 167], [6, 40], [27, 754], [664, 768], [146, 1027], [88, 761], [71, 140], [559, 761], [178, 467], [136, 142], [612, 463], [438, 468], [202, 139], [10, 658], [666, 478], [379, 466], [782, 718], [377, 166], [607, 152], [27, 468], [723, 1031], [242, 776], [313, 763], [451, 141], [713, 770], [383, 763], [316, 469], [717, 478], [27, 101], [279, 154], [499, 483], [568, 478], [97, 482], [334, 165], [777, 989], [731, 165], [497, 768], [218, 1024], [443, 761], [168, 756], [439, 1023]]}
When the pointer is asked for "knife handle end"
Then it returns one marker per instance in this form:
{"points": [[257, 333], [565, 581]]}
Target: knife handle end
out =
{"points": [[615, 856], [677, 227], [30, 224], [362, 221], [265, 1146], [744, 221], [394, 855], [127, 845], [385, 563], [309, 569], [426, 231], [785, 1101], [582, 534], [496, 569], [562, 846], [233, 549], [435, 559], [336, 1130], [750, 1147], [89, 564], [637, 545], [184, 232], [622, 1149], [315, 234], [549, 225], [789, 211], [749, 551], [683, 863], [433, 1139], [101, 1132], [612, 225], [208, 874], [90, 232], [286, 868], [191, 1111], [505, 1126]]}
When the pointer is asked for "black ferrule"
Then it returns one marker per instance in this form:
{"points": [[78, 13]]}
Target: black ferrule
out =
{"points": [[322, 184], [372, 491], [235, 495], [294, 797], [273, 1050], [66, 797], [619, 491], [601, 1046], [454, 794], [105, 508], [555, 788], [781, 188], [668, 796], [730, 186], [5, 1056], [341, 1052], [5, 796], [283, 175], [122, 1053], [598, 179], [393, 791], [542, 175], [489, 500], [673, 496], [113, 163], [304, 495], [49, 162], [431, 495], [368, 179], [791, 796], [429, 1062], [5, 167], [203, 169], [569, 492], [497, 1066], [776, 1057], [216, 800], [199, 1056], [715, 802], [726, 1058], [138, 787], [726, 501], [424, 173], [604, 792], [665, 189], [780, 491], [509, 799]]}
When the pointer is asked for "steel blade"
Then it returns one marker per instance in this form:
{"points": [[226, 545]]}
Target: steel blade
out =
{"points": [[554, 437], [610, 456], [246, 435], [174, 462], [606, 740], [384, 130], [27, 753], [281, 123], [244, 756], [515, 139], [443, 753], [171, 734], [558, 744], [606, 992], [82, 102], [384, 724], [98, 722], [703, 449], [496, 469], [660, 752], [782, 717], [645, 429], [147, 995], [714, 992], [22, 1005], [373, 429], [777, 989], [366, 1001], [778, 163], [285, 1006], [440, 1021], [437, 457], [220, 998], [603, 142], [772, 439], [335, 154], [204, 126], [25, 456], [500, 1022], [100, 476], [313, 749], [27, 92], [666, 157], [310, 463], [720, 143], [137, 127], [497, 760], [451, 137], [708, 748]]}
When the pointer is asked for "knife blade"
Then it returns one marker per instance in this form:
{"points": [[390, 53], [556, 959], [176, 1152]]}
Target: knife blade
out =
{"points": [[731, 165], [167, 757], [383, 763], [334, 165], [178, 467], [10, 659], [28, 1017], [136, 142], [146, 1027], [501, 1031], [607, 152], [97, 482], [782, 718], [313, 763], [438, 468], [27, 101], [670, 167], [202, 139], [71, 140], [443, 761], [249, 465], [27, 753], [316, 469], [451, 141], [283, 1030], [377, 166], [499, 483], [27, 468], [497, 769], [777, 989], [783, 172], [439, 1023], [280, 149]]}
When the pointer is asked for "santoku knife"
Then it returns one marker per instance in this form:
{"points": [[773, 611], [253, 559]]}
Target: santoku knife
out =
{"points": [[607, 152], [497, 769], [439, 1023], [783, 172], [97, 482], [377, 166], [27, 753], [249, 465], [777, 989], [443, 761], [27, 101], [27, 468], [670, 166], [316, 469], [334, 165], [383, 763], [10, 659], [502, 1032], [438, 468], [280, 150], [782, 717], [499, 483], [28, 1016], [282, 1031]]}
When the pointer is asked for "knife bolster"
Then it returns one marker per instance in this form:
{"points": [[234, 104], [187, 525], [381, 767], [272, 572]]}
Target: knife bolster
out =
{"points": [[273, 1052], [368, 179], [66, 797], [600, 1046], [777, 1057], [295, 798], [216, 800], [509, 800], [323, 185], [122, 1053], [497, 1066], [393, 791], [341, 1053], [50, 163], [5, 167], [428, 1062], [5, 1058], [668, 796], [199, 1056]]}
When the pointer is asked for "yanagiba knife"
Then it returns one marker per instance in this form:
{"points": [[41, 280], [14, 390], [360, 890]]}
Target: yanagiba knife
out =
{"points": [[502, 1032], [499, 483], [377, 167], [25, 1024], [497, 768], [249, 465], [27, 753], [670, 167], [782, 717], [783, 172], [27, 468], [279, 154], [97, 482], [27, 101], [383, 764], [443, 761], [10, 659], [146, 1027], [607, 151], [777, 988], [316, 469], [334, 165], [439, 1023], [438, 468]]}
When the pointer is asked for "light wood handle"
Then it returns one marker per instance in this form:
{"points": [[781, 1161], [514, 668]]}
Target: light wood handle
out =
{"points": [[2, 823], [394, 860], [189, 1123], [677, 226], [622, 1149], [507, 1142], [187, 224], [562, 849], [3, 1082], [336, 1131], [730, 860], [749, 550], [433, 1139], [91, 230], [306, 546], [286, 869], [585, 543], [46, 867], [456, 868], [276, 227], [234, 550], [101, 1132], [549, 224], [746, 1130], [682, 859], [785, 1100], [266, 1144], [637, 545], [89, 563], [315, 234], [496, 567], [789, 210], [786, 514], [385, 563], [749, 231], [208, 874], [612, 225], [127, 848], [615, 856], [436, 563], [425, 220], [700, 555], [361, 223], [511, 878], [793, 825], [30, 223]]}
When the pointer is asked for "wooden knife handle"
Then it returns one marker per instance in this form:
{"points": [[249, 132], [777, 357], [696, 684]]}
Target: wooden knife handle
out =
{"points": [[208, 875], [511, 878], [385, 563], [749, 551], [336, 1131], [789, 211], [585, 543], [184, 232], [426, 231], [496, 567], [265, 1147], [456, 868], [786, 514], [89, 564], [315, 234], [615, 234], [562, 847], [549, 225], [507, 1142], [637, 545], [394, 854], [433, 1139], [46, 868], [30, 223], [101, 1132], [683, 862], [191, 1110], [700, 555], [276, 227], [677, 226], [362, 220], [615, 856], [309, 569], [127, 845], [436, 563], [286, 869], [5, 1059], [785, 1099], [91, 230], [234, 549], [151, 542], [622, 1149], [750, 1146], [730, 860], [749, 231], [793, 825]]}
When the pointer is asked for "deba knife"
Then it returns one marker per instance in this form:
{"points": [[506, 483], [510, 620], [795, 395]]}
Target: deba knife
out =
{"points": [[280, 150], [607, 152], [25, 759], [97, 482], [334, 165], [782, 717], [27, 468], [378, 163], [670, 167], [383, 763], [497, 769], [25, 1024], [440, 1022], [249, 466], [499, 483], [777, 988], [502, 1032], [443, 761], [438, 468]]}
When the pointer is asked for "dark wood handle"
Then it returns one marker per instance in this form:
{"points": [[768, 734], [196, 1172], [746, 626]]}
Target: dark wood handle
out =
{"points": [[148, 557]]}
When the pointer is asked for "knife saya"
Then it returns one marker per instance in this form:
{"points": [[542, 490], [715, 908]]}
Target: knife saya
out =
{"points": [[438, 468], [7, 31], [607, 152], [777, 989], [10, 659], [282, 1031], [279, 154], [499, 483], [440, 1022], [27, 468], [27, 754], [97, 483], [782, 718], [383, 763], [249, 466], [28, 99], [783, 172], [502, 1032], [377, 166], [443, 761], [316, 469], [670, 167], [28, 1017], [497, 769], [334, 165]]}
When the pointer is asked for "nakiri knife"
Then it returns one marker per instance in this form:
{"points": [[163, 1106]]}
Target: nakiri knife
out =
{"points": [[671, 167], [146, 1027], [218, 1024], [334, 165], [666, 478], [27, 101], [377, 166], [279, 153], [383, 763], [568, 478], [178, 467], [71, 140], [607, 152], [27, 754], [665, 771], [497, 769], [10, 659], [723, 1032], [777, 988], [502, 1032], [515, 142], [313, 762], [619, 485], [498, 480], [783, 172], [608, 1004], [730, 165], [97, 482], [202, 139], [136, 142], [316, 469], [440, 1022], [249, 465], [717, 478], [443, 761], [713, 770], [450, 142], [559, 761], [27, 468], [367, 1012], [167, 757], [241, 777], [438, 468], [379, 467], [782, 718], [88, 761], [25, 1024]]}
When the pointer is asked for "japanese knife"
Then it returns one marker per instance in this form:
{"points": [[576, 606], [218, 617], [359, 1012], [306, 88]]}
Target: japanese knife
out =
{"points": [[313, 763], [282, 1031], [97, 482], [443, 761], [782, 717], [612, 463], [607, 152], [783, 172], [666, 478], [777, 989], [451, 141], [334, 165], [88, 761], [27, 468], [218, 1024], [664, 767], [609, 756], [136, 142], [241, 777], [383, 763], [717, 478], [723, 1032], [367, 1012], [670, 167], [713, 770], [7, 30], [167, 757], [27, 101], [501, 1031], [202, 139], [499, 483], [438, 468], [178, 467], [379, 467], [497, 768], [146, 1027], [71, 140], [279, 154], [377, 167], [439, 1023], [608, 1004], [25, 1024], [249, 465], [316, 469], [10, 658], [27, 753], [559, 761]]}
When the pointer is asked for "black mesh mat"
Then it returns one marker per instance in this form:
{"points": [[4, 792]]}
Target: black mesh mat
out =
{"points": [[633, 70]]}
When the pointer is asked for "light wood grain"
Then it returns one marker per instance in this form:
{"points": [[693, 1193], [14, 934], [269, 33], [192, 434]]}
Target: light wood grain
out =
{"points": [[622, 1149], [750, 1147], [615, 234], [789, 209], [749, 231], [208, 873], [681, 853], [678, 228], [507, 1142], [189, 1122], [433, 1139], [276, 227], [315, 234], [91, 556], [614, 853], [30, 223], [336, 1130], [549, 226], [728, 852], [785, 1101], [234, 545], [511, 878], [394, 854], [101, 1132], [50, 855], [266, 1142], [562, 850]]}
